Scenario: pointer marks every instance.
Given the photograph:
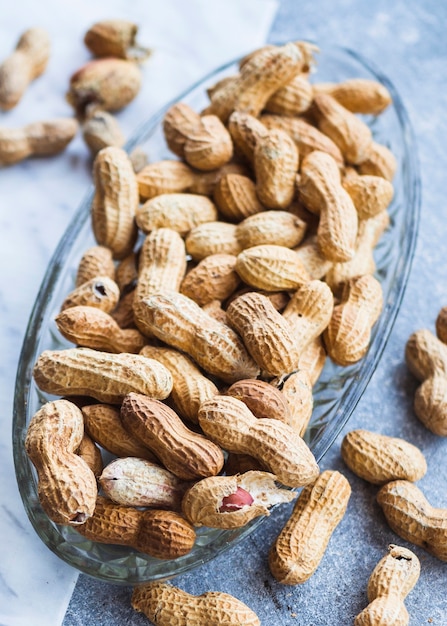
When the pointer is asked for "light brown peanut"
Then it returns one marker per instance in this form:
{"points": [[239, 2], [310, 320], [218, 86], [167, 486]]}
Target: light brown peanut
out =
{"points": [[358, 95], [164, 604], [115, 38], [292, 99], [371, 194], [391, 581], [413, 518], [322, 193], [271, 268], [186, 454], [166, 176], [27, 62], [232, 501], [301, 544], [103, 423], [177, 211], [214, 278], [91, 454], [110, 84], [37, 139], [235, 195], [380, 162], [245, 130], [314, 261], [89, 327], [158, 533], [115, 201], [66, 485], [101, 129], [190, 387], [212, 238], [231, 424], [96, 261], [271, 227], [348, 334], [297, 391], [100, 292], [426, 357], [379, 458], [266, 334], [262, 398], [138, 482], [182, 324], [100, 375]]}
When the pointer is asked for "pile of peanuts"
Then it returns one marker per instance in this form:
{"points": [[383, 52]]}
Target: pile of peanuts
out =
{"points": [[221, 281]]}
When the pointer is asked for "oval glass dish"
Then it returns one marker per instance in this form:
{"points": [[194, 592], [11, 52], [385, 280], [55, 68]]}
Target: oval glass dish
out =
{"points": [[338, 389]]}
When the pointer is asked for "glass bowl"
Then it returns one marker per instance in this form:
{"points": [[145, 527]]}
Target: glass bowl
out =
{"points": [[338, 389]]}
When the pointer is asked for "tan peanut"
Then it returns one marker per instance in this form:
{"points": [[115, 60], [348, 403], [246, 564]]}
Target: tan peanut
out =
{"points": [[186, 454], [103, 423], [271, 227], [138, 482], [115, 38], [306, 137], [379, 459], [348, 335], [271, 268], [232, 501], [27, 62], [322, 193], [190, 387], [100, 292], [96, 261], [297, 391], [214, 278], [275, 166], [380, 162], [292, 99], [103, 376], [312, 359], [110, 84], [212, 238], [358, 95], [245, 131], [90, 327], [262, 398], [164, 605], [115, 201], [235, 195], [413, 518], [177, 211], [258, 79], [181, 323], [426, 357], [371, 194], [301, 544], [231, 424], [66, 485], [210, 146], [205, 182], [166, 176], [101, 129], [391, 581], [38, 139], [346, 130], [158, 533], [266, 334], [314, 261], [91, 454]]}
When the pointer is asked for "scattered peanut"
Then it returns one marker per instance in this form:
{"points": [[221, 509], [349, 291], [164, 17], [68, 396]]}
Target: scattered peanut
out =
{"points": [[115, 38]]}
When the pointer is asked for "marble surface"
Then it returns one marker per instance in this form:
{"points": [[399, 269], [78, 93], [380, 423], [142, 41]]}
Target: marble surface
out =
{"points": [[37, 198]]}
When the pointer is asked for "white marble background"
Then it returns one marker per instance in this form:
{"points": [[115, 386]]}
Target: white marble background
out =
{"points": [[38, 198]]}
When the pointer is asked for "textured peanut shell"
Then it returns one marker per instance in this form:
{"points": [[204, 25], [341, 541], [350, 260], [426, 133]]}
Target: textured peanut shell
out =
{"points": [[292, 99], [205, 182], [165, 605], [312, 359], [271, 227], [231, 424], [161, 534], [392, 579], [379, 458], [38, 139], [179, 123], [202, 501], [314, 261], [102, 129], [96, 261], [100, 375], [92, 328], [275, 166], [301, 544], [115, 201], [214, 278], [271, 268], [181, 323], [262, 398], [185, 453], [91, 454], [115, 38], [138, 482], [245, 130], [166, 176], [348, 334], [100, 292], [27, 62], [66, 485], [190, 386], [178, 211], [413, 518], [266, 334], [103, 423], [380, 162], [358, 95], [212, 238], [235, 195], [209, 146], [371, 194], [296, 389]]}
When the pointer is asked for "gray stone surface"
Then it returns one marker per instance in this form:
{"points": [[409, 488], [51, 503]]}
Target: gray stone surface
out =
{"points": [[407, 40]]}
